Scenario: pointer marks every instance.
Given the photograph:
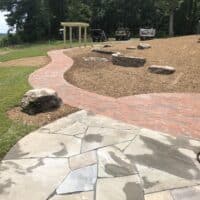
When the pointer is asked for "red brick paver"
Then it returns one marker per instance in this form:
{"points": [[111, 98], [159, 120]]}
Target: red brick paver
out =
{"points": [[177, 114]]}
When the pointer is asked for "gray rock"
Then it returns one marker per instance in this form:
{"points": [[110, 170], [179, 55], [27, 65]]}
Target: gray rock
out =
{"points": [[144, 46], [107, 45], [157, 69], [80, 180], [39, 100], [95, 59], [127, 61], [103, 51], [131, 48]]}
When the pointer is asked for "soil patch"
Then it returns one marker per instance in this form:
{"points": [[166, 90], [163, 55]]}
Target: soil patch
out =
{"points": [[183, 53], [27, 62], [42, 118]]}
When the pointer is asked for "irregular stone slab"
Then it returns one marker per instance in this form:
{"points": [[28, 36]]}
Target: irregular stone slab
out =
{"points": [[95, 59], [31, 178], [113, 163], [103, 51], [80, 136], [157, 69], [45, 145], [124, 188], [40, 100], [122, 146], [194, 143], [73, 129], [94, 120], [79, 196], [144, 46], [97, 137], [131, 48], [80, 180], [159, 164], [127, 61], [83, 160], [57, 125], [159, 196], [191, 193]]}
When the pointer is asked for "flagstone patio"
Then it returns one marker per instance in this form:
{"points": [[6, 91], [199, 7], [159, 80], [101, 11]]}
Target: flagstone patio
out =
{"points": [[86, 157]]}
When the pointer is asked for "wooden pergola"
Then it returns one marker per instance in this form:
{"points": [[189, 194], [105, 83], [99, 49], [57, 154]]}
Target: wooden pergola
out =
{"points": [[72, 25]]}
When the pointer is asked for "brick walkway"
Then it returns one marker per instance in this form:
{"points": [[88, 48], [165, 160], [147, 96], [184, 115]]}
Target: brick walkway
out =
{"points": [[177, 114]]}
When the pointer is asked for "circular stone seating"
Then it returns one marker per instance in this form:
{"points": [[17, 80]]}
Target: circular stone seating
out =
{"points": [[107, 46], [127, 61], [95, 59], [144, 46], [103, 51], [157, 69], [131, 48]]}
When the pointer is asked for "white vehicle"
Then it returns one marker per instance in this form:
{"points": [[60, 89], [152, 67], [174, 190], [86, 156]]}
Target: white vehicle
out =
{"points": [[146, 33]]}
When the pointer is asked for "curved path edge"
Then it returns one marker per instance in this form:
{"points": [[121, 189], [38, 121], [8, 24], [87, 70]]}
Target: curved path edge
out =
{"points": [[177, 114]]}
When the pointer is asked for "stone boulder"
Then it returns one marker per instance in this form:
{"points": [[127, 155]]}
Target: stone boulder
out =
{"points": [[157, 69], [127, 61], [40, 100], [103, 51], [131, 48], [107, 46], [95, 59], [144, 46]]}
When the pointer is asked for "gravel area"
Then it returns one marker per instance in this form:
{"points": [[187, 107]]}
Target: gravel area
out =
{"points": [[182, 53]]}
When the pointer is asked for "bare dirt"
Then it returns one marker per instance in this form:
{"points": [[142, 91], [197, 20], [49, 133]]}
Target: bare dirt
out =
{"points": [[27, 62], [182, 53]]}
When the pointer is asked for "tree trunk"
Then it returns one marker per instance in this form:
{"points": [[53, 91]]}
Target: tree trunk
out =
{"points": [[171, 24]]}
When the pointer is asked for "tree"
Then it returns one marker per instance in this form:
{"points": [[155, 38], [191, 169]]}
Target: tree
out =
{"points": [[169, 7]]}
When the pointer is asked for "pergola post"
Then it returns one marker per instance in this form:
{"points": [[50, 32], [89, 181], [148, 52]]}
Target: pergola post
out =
{"points": [[79, 35], [64, 36], [78, 25], [85, 35], [70, 36]]}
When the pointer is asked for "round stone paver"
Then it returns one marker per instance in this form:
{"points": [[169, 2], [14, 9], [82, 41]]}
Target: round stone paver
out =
{"points": [[176, 114]]}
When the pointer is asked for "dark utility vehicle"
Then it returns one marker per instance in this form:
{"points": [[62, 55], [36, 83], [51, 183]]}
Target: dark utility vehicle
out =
{"points": [[122, 34], [98, 35]]}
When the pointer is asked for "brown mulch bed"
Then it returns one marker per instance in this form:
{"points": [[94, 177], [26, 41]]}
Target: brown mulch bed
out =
{"points": [[41, 118], [104, 78]]}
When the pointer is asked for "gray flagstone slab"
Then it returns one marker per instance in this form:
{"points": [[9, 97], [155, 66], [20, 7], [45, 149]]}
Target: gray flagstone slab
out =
{"points": [[113, 163], [79, 196], [161, 163], [37, 145], [191, 193], [121, 188], [97, 137], [83, 160], [31, 179], [79, 180]]}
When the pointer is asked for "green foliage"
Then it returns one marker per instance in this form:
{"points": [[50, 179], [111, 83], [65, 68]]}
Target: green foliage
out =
{"points": [[40, 19], [13, 84]]}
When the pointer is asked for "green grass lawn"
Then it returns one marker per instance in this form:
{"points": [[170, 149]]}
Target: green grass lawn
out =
{"points": [[13, 84], [32, 50]]}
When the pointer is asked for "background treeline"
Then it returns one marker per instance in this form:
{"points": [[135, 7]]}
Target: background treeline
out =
{"points": [[40, 19]]}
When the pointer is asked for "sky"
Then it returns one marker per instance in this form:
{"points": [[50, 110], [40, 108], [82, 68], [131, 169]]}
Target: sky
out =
{"points": [[3, 24]]}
